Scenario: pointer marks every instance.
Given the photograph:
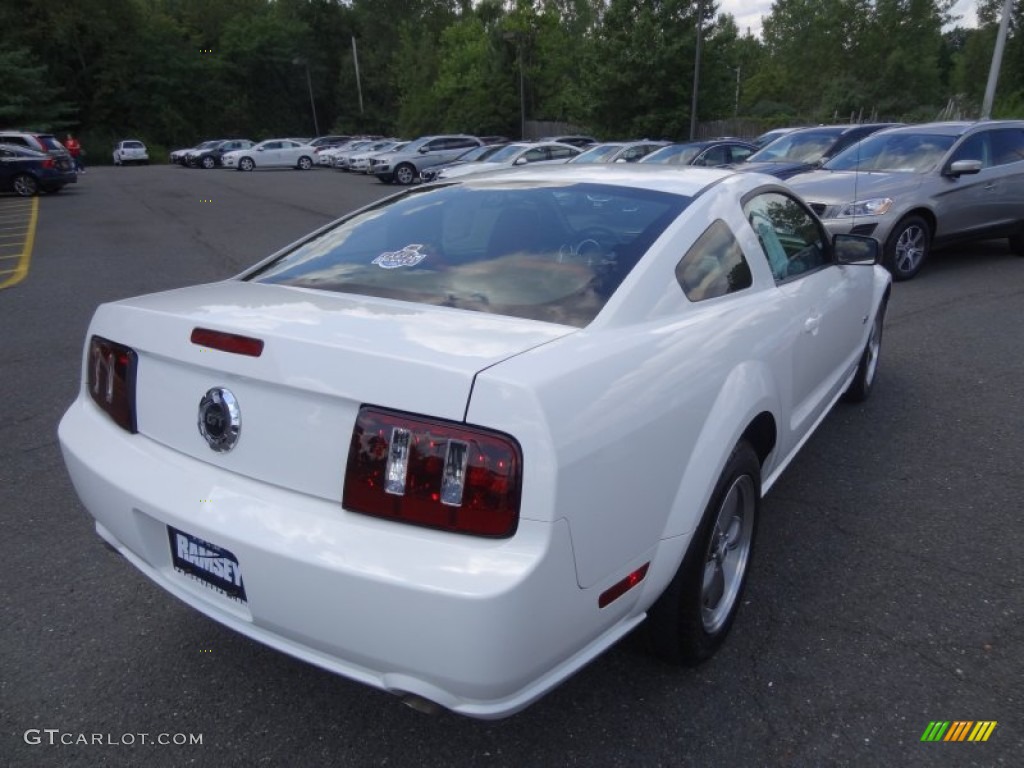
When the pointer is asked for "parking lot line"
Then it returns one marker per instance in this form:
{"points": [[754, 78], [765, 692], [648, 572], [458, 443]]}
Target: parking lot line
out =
{"points": [[17, 237]]}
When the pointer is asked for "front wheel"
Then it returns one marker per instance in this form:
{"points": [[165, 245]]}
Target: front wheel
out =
{"points": [[246, 164], [864, 379], [405, 174], [209, 162], [692, 617], [305, 163], [25, 185], [907, 248]]}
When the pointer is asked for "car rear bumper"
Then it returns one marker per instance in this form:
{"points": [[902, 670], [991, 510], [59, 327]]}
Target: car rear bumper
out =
{"points": [[480, 626]]}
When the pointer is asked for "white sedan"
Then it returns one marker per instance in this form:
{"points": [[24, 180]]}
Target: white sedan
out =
{"points": [[272, 153], [460, 442], [130, 151], [513, 156]]}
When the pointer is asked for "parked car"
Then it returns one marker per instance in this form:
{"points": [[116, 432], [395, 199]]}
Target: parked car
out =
{"points": [[583, 142], [40, 142], [924, 185], [27, 172], [708, 154], [343, 156], [471, 155], [272, 153], [807, 148], [404, 167], [461, 442], [618, 152], [179, 156], [514, 155], [359, 162], [326, 153], [210, 157], [130, 151]]}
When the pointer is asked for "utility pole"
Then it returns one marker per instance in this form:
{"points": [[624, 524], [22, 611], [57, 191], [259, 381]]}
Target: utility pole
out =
{"points": [[359, 85], [997, 60], [696, 70]]}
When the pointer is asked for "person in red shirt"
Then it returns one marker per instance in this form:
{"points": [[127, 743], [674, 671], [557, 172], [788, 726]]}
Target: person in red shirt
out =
{"points": [[75, 150]]}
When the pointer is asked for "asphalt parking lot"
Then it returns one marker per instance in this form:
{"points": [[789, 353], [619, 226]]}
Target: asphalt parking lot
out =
{"points": [[887, 589]]}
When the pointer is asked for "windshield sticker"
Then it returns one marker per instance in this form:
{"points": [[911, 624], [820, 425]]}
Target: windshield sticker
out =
{"points": [[409, 256]]}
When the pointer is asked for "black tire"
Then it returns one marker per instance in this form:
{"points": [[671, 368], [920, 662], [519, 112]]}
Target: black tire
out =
{"points": [[908, 247], [692, 617], [867, 370], [305, 163], [246, 164], [25, 185], [209, 162], [405, 174], [385, 179]]}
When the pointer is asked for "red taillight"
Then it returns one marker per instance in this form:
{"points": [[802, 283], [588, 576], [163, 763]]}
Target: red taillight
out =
{"points": [[620, 588], [110, 377], [48, 162], [227, 342], [433, 473]]}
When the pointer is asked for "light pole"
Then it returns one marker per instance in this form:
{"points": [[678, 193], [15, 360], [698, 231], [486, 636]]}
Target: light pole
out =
{"points": [[309, 84], [517, 38], [696, 71]]}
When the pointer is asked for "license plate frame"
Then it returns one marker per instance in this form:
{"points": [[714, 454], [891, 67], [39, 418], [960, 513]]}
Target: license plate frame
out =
{"points": [[213, 566]]}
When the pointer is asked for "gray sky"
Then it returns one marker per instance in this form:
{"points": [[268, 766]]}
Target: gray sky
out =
{"points": [[748, 13]]}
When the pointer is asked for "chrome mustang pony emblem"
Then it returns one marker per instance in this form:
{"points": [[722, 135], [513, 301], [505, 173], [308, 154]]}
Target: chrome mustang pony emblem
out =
{"points": [[220, 420]]}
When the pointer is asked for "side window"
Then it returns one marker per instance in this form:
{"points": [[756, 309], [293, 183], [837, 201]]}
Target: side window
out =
{"points": [[714, 266], [739, 154], [713, 157], [535, 154], [1007, 146], [561, 153], [975, 147], [792, 240]]}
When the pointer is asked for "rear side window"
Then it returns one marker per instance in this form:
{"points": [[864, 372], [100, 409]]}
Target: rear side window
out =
{"points": [[544, 252], [49, 143], [714, 266]]}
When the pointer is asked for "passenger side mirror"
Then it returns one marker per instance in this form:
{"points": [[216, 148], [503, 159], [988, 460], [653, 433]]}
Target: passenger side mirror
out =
{"points": [[856, 249]]}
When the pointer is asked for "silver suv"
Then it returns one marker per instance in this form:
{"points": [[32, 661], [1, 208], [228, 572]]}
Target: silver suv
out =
{"points": [[922, 185], [405, 166]]}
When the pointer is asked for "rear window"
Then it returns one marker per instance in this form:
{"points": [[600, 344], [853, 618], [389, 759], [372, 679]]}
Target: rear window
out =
{"points": [[49, 143], [545, 252]]}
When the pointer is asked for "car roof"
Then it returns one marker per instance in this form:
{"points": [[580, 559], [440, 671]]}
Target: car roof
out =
{"points": [[953, 127], [689, 181]]}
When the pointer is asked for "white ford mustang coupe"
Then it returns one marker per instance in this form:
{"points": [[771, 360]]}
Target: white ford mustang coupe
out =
{"points": [[458, 443]]}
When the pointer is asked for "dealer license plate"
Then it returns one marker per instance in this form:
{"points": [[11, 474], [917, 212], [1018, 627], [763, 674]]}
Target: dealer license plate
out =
{"points": [[213, 566]]}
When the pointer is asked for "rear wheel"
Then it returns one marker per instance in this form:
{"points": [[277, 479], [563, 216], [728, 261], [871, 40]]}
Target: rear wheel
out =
{"points": [[25, 185], [907, 248], [691, 619], [209, 162], [405, 174]]}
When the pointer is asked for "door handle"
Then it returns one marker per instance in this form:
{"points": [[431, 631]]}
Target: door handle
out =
{"points": [[811, 324]]}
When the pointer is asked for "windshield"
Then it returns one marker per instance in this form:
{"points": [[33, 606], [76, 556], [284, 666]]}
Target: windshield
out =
{"points": [[552, 252], [799, 147], [505, 154], [599, 154], [676, 154], [897, 152]]}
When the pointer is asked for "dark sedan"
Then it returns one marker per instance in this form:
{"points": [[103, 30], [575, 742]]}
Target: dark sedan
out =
{"points": [[26, 172], [209, 157], [807, 148]]}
